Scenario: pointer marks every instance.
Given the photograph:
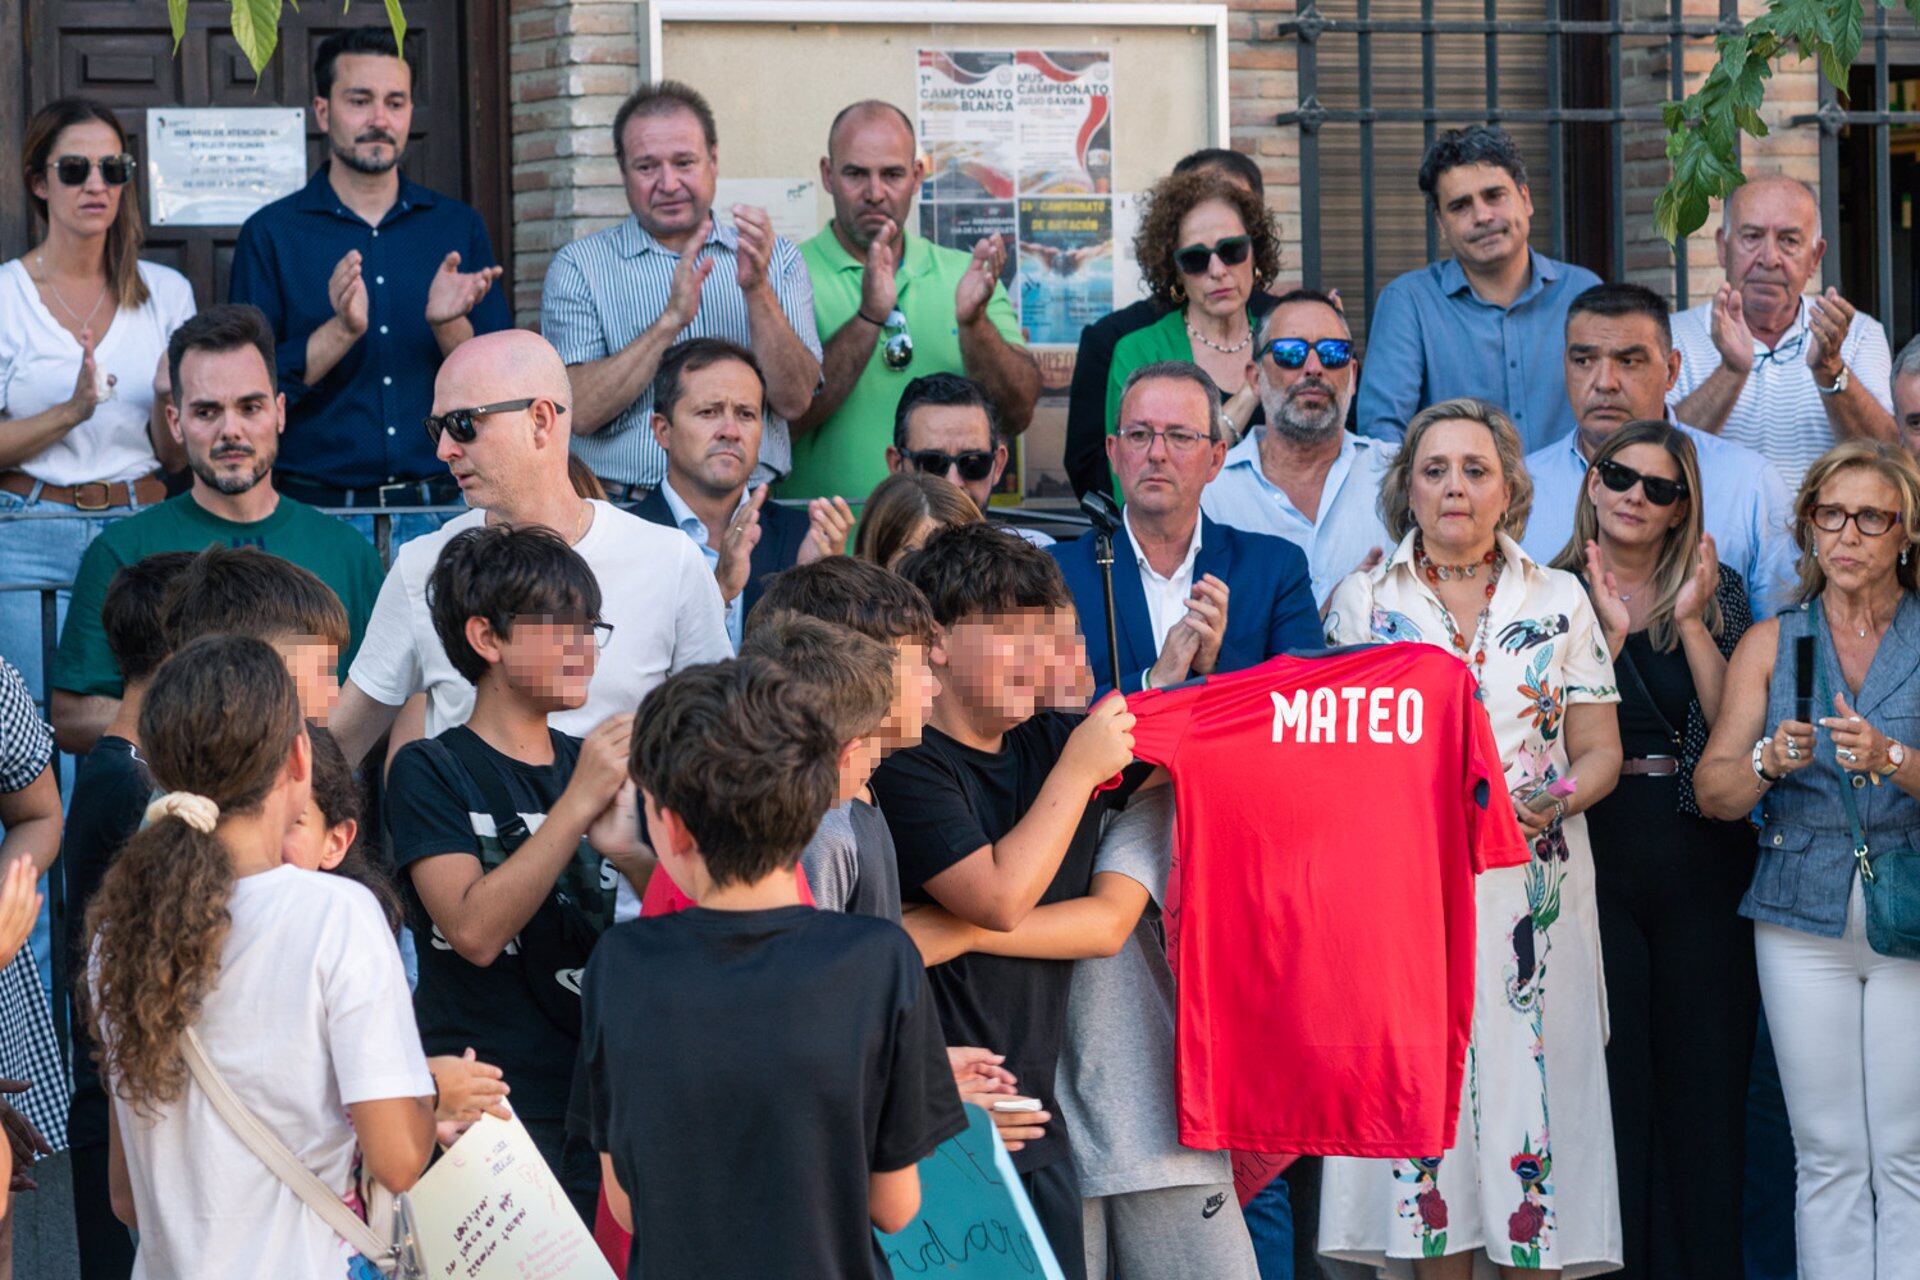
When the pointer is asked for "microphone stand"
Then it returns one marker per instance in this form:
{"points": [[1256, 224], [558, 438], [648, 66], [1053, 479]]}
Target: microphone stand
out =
{"points": [[1099, 509]]}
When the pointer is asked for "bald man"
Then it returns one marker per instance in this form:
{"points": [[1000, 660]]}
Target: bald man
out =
{"points": [[500, 407], [893, 307], [1768, 365]]}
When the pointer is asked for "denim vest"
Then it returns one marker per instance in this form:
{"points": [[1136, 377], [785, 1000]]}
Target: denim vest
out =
{"points": [[1806, 866]]}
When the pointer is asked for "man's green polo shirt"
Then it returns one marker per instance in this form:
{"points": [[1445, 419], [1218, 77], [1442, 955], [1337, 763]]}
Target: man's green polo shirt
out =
{"points": [[847, 454], [332, 549]]}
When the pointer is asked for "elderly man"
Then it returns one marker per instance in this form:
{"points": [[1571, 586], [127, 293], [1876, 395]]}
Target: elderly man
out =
{"points": [[1906, 395], [369, 280], [228, 412], [709, 412], [616, 300], [1767, 365], [1484, 321], [1176, 570], [1302, 477], [946, 425], [499, 424], [894, 306], [1620, 364]]}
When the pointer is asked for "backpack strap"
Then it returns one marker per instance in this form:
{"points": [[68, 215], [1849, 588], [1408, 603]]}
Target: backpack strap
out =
{"points": [[477, 759]]}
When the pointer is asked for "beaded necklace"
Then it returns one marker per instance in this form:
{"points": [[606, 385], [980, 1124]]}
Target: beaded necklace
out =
{"points": [[1475, 654]]}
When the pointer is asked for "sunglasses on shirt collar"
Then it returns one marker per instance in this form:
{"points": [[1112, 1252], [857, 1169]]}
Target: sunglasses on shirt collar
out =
{"points": [[458, 423]]}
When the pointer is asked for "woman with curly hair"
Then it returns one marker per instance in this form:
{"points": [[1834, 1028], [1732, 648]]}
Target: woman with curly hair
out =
{"points": [[290, 979], [1206, 246]]}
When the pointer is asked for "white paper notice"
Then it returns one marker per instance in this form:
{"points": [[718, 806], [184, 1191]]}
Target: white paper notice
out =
{"points": [[215, 166], [492, 1210], [1129, 285], [792, 204]]}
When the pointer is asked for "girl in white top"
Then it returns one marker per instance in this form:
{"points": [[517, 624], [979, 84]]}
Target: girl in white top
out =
{"points": [[83, 322], [1528, 1188], [291, 979]]}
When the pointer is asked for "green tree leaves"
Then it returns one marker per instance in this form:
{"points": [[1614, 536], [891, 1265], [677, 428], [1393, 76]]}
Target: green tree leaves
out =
{"points": [[256, 25]]}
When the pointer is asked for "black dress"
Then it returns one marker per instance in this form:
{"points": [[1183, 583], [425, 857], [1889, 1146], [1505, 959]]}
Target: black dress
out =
{"points": [[1682, 994]]}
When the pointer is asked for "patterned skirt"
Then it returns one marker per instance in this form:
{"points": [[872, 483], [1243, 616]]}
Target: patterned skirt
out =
{"points": [[29, 1050]]}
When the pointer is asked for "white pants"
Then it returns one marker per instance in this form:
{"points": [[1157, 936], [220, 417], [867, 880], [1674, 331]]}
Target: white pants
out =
{"points": [[1846, 1030]]}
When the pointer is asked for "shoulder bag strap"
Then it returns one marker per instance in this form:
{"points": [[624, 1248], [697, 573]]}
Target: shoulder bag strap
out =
{"points": [[273, 1153], [1823, 699], [508, 826]]}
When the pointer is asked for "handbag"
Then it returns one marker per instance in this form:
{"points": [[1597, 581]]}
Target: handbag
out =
{"points": [[1890, 880], [395, 1256]]}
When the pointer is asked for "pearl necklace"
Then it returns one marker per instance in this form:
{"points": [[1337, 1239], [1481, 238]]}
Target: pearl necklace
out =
{"points": [[1246, 339]]}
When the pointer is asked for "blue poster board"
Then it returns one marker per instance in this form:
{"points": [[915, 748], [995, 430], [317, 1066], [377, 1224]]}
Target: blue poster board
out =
{"points": [[975, 1221]]}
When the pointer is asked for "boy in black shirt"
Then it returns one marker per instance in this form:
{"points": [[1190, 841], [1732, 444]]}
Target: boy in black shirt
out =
{"points": [[489, 823], [761, 1077], [995, 812], [110, 793]]}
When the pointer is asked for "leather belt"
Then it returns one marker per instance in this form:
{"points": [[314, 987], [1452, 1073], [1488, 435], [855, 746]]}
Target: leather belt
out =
{"points": [[1650, 766], [95, 495]]}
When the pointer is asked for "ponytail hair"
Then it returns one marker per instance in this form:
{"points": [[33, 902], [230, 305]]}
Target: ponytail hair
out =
{"points": [[218, 724]]}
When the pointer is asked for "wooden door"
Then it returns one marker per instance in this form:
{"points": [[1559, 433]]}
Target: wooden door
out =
{"points": [[121, 52]]}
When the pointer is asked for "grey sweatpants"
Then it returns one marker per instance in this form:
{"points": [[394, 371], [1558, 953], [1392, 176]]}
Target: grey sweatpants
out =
{"points": [[1173, 1233]]}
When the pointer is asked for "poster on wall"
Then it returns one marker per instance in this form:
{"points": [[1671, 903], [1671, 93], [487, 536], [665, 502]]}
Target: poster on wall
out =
{"points": [[215, 166], [1019, 142]]}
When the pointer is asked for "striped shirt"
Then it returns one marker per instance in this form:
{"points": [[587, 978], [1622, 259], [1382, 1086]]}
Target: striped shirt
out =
{"points": [[1780, 412], [603, 291]]}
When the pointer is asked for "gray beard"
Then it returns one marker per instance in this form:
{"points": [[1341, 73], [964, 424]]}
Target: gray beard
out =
{"points": [[1304, 428], [346, 157]]}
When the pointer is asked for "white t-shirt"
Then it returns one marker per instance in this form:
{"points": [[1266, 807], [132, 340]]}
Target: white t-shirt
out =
{"points": [[39, 362], [310, 1014], [655, 589]]}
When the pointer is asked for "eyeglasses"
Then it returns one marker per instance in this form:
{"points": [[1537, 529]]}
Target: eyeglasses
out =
{"points": [[1291, 353], [1784, 352], [602, 632], [1179, 439], [896, 343], [72, 171], [974, 464], [458, 423], [1872, 522], [1196, 258], [1660, 491]]}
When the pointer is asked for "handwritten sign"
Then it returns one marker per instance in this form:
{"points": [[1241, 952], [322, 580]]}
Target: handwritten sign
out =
{"points": [[214, 166], [975, 1221], [492, 1210]]}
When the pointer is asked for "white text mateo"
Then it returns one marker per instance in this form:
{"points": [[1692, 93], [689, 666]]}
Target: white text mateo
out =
{"points": [[1343, 715]]}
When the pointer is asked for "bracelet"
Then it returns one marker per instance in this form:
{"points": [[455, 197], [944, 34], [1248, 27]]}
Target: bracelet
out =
{"points": [[878, 324], [1559, 811], [1758, 762]]}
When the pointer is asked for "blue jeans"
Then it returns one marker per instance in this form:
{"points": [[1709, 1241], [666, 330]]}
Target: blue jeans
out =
{"points": [[403, 529], [1270, 1222]]}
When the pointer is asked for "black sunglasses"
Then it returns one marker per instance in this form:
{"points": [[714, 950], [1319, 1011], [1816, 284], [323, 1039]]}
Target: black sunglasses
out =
{"points": [[1196, 258], [974, 464], [458, 423], [72, 171], [1291, 353], [1660, 492]]}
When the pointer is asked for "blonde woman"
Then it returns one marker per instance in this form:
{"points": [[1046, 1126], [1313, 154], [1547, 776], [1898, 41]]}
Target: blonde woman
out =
{"points": [[1842, 995], [906, 509], [1528, 1188], [1682, 995]]}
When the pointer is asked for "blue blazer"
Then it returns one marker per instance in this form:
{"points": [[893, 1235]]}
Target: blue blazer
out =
{"points": [[783, 530], [1270, 606]]}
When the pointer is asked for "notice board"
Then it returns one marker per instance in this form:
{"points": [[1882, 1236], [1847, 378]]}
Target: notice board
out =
{"points": [[777, 72]]}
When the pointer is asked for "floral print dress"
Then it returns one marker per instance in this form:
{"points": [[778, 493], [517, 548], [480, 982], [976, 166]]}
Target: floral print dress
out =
{"points": [[1530, 1180]]}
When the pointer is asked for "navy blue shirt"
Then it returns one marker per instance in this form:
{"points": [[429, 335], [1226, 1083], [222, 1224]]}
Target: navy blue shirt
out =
{"points": [[361, 424]]}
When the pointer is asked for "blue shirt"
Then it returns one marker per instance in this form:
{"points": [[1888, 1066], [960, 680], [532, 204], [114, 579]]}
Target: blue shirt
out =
{"points": [[1745, 506], [696, 528], [603, 291], [361, 424], [1345, 528], [1430, 338]]}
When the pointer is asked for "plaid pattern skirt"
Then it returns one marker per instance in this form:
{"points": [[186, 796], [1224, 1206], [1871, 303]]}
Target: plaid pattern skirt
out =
{"points": [[29, 1050]]}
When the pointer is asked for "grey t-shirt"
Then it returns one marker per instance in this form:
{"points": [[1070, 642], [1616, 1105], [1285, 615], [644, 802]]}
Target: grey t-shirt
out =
{"points": [[1116, 1075], [850, 863]]}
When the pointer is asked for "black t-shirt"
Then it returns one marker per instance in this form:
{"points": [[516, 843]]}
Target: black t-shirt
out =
{"points": [[943, 800], [110, 794], [434, 807], [747, 1071]]}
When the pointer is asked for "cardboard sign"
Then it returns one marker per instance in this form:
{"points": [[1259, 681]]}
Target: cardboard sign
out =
{"points": [[491, 1209], [975, 1221]]}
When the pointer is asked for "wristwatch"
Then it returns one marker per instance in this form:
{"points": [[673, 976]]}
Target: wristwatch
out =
{"points": [[1839, 384], [1896, 756], [1759, 756]]}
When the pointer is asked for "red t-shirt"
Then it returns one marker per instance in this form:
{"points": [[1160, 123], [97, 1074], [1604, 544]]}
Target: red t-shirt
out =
{"points": [[663, 896], [1333, 813]]}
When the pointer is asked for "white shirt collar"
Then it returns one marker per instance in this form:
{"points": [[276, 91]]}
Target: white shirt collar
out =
{"points": [[683, 515], [1185, 568]]}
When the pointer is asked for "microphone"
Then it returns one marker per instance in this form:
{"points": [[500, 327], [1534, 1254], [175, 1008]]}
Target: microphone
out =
{"points": [[1100, 509]]}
